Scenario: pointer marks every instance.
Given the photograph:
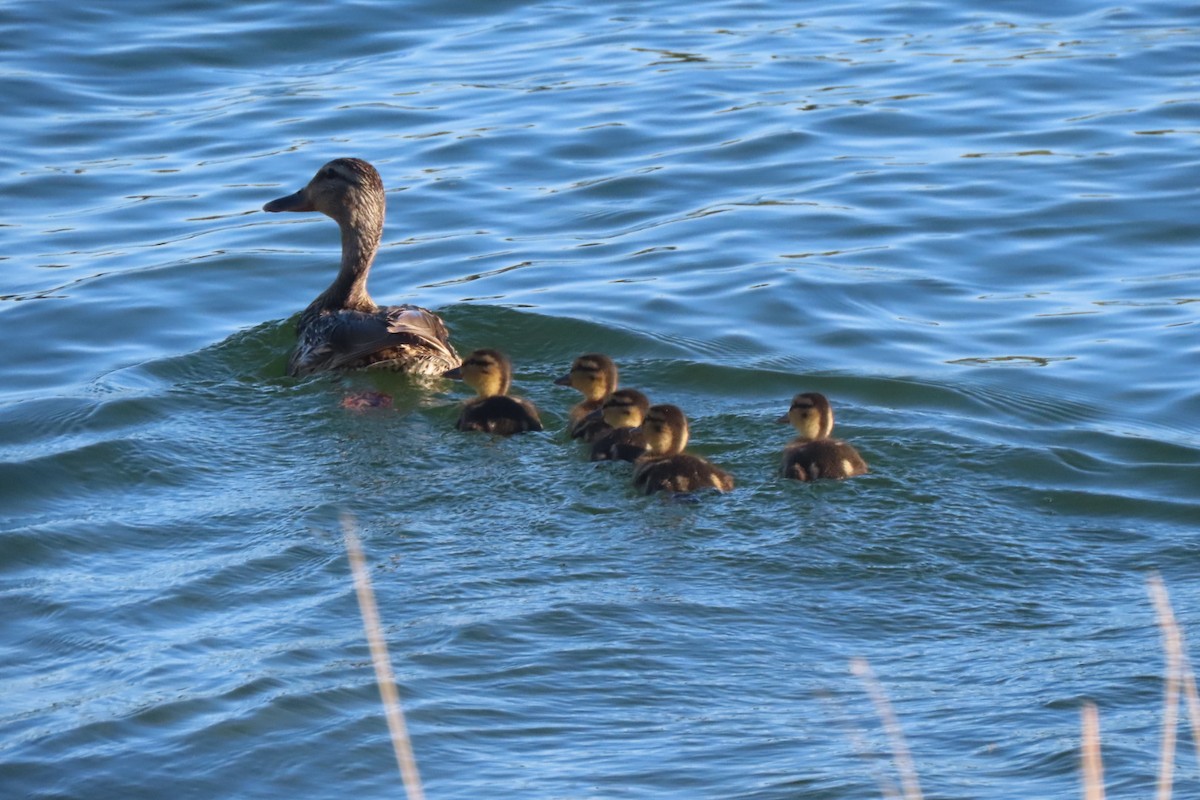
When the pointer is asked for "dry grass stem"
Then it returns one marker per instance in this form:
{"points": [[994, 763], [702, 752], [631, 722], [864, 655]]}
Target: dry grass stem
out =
{"points": [[891, 726], [1173, 647], [887, 786], [383, 665], [1093, 769], [1193, 700]]}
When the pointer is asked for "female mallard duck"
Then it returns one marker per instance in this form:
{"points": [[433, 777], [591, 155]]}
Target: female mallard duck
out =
{"points": [[624, 412], [343, 328], [665, 467], [595, 376], [489, 373], [814, 454]]}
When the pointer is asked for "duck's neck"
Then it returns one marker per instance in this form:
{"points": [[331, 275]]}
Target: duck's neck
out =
{"points": [[360, 241]]}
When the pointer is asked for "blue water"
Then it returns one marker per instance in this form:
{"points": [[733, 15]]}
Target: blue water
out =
{"points": [[973, 228]]}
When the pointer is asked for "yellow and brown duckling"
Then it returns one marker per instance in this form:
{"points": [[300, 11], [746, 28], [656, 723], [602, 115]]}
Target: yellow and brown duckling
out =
{"points": [[344, 328], [489, 373], [665, 467], [595, 376], [814, 454], [624, 412]]}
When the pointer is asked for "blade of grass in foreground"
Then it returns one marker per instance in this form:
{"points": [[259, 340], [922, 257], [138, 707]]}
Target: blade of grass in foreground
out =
{"points": [[1173, 647], [1093, 769], [891, 726], [1176, 649], [383, 665]]}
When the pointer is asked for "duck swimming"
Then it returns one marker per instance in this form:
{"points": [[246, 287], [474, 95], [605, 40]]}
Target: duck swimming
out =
{"points": [[344, 328], [489, 373], [665, 467], [623, 411], [595, 376], [813, 454]]}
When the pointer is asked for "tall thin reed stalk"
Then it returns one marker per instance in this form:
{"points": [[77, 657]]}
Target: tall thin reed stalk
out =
{"points": [[891, 726], [401, 744], [1093, 769]]}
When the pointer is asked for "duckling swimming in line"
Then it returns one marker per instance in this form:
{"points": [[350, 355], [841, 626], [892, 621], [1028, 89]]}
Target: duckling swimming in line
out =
{"points": [[595, 376], [624, 412], [813, 454], [489, 373], [344, 328], [665, 467]]}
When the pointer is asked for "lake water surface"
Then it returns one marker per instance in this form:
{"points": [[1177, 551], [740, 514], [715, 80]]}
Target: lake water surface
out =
{"points": [[972, 226]]}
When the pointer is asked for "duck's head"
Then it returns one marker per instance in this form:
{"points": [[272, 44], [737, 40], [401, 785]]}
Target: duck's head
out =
{"points": [[488, 372], [347, 189], [593, 374], [625, 408], [811, 415], [665, 430]]}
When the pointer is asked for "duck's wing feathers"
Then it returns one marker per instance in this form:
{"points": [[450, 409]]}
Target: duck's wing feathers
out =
{"points": [[349, 339]]}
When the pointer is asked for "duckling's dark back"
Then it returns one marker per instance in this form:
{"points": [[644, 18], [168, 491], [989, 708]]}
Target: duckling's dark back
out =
{"points": [[680, 473], [499, 414], [619, 444], [822, 459]]}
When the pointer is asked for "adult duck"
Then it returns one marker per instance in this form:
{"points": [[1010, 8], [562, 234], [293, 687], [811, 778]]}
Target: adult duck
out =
{"points": [[344, 328]]}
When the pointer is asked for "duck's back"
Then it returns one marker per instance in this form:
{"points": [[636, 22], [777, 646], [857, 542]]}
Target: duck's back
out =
{"points": [[822, 459], [499, 414], [583, 426], [619, 444], [401, 338], [680, 473]]}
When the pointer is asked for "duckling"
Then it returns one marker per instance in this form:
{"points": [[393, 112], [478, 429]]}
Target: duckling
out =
{"points": [[595, 376], [344, 328], [813, 454], [665, 467], [623, 411], [489, 372]]}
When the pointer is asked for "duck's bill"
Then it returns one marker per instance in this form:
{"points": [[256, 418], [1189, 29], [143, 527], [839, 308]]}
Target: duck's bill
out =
{"points": [[563, 380], [783, 420], [453, 374], [293, 202]]}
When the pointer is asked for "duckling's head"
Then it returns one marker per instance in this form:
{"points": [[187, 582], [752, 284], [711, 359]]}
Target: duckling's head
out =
{"points": [[625, 408], [665, 430], [347, 189], [811, 415], [593, 374], [488, 372]]}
